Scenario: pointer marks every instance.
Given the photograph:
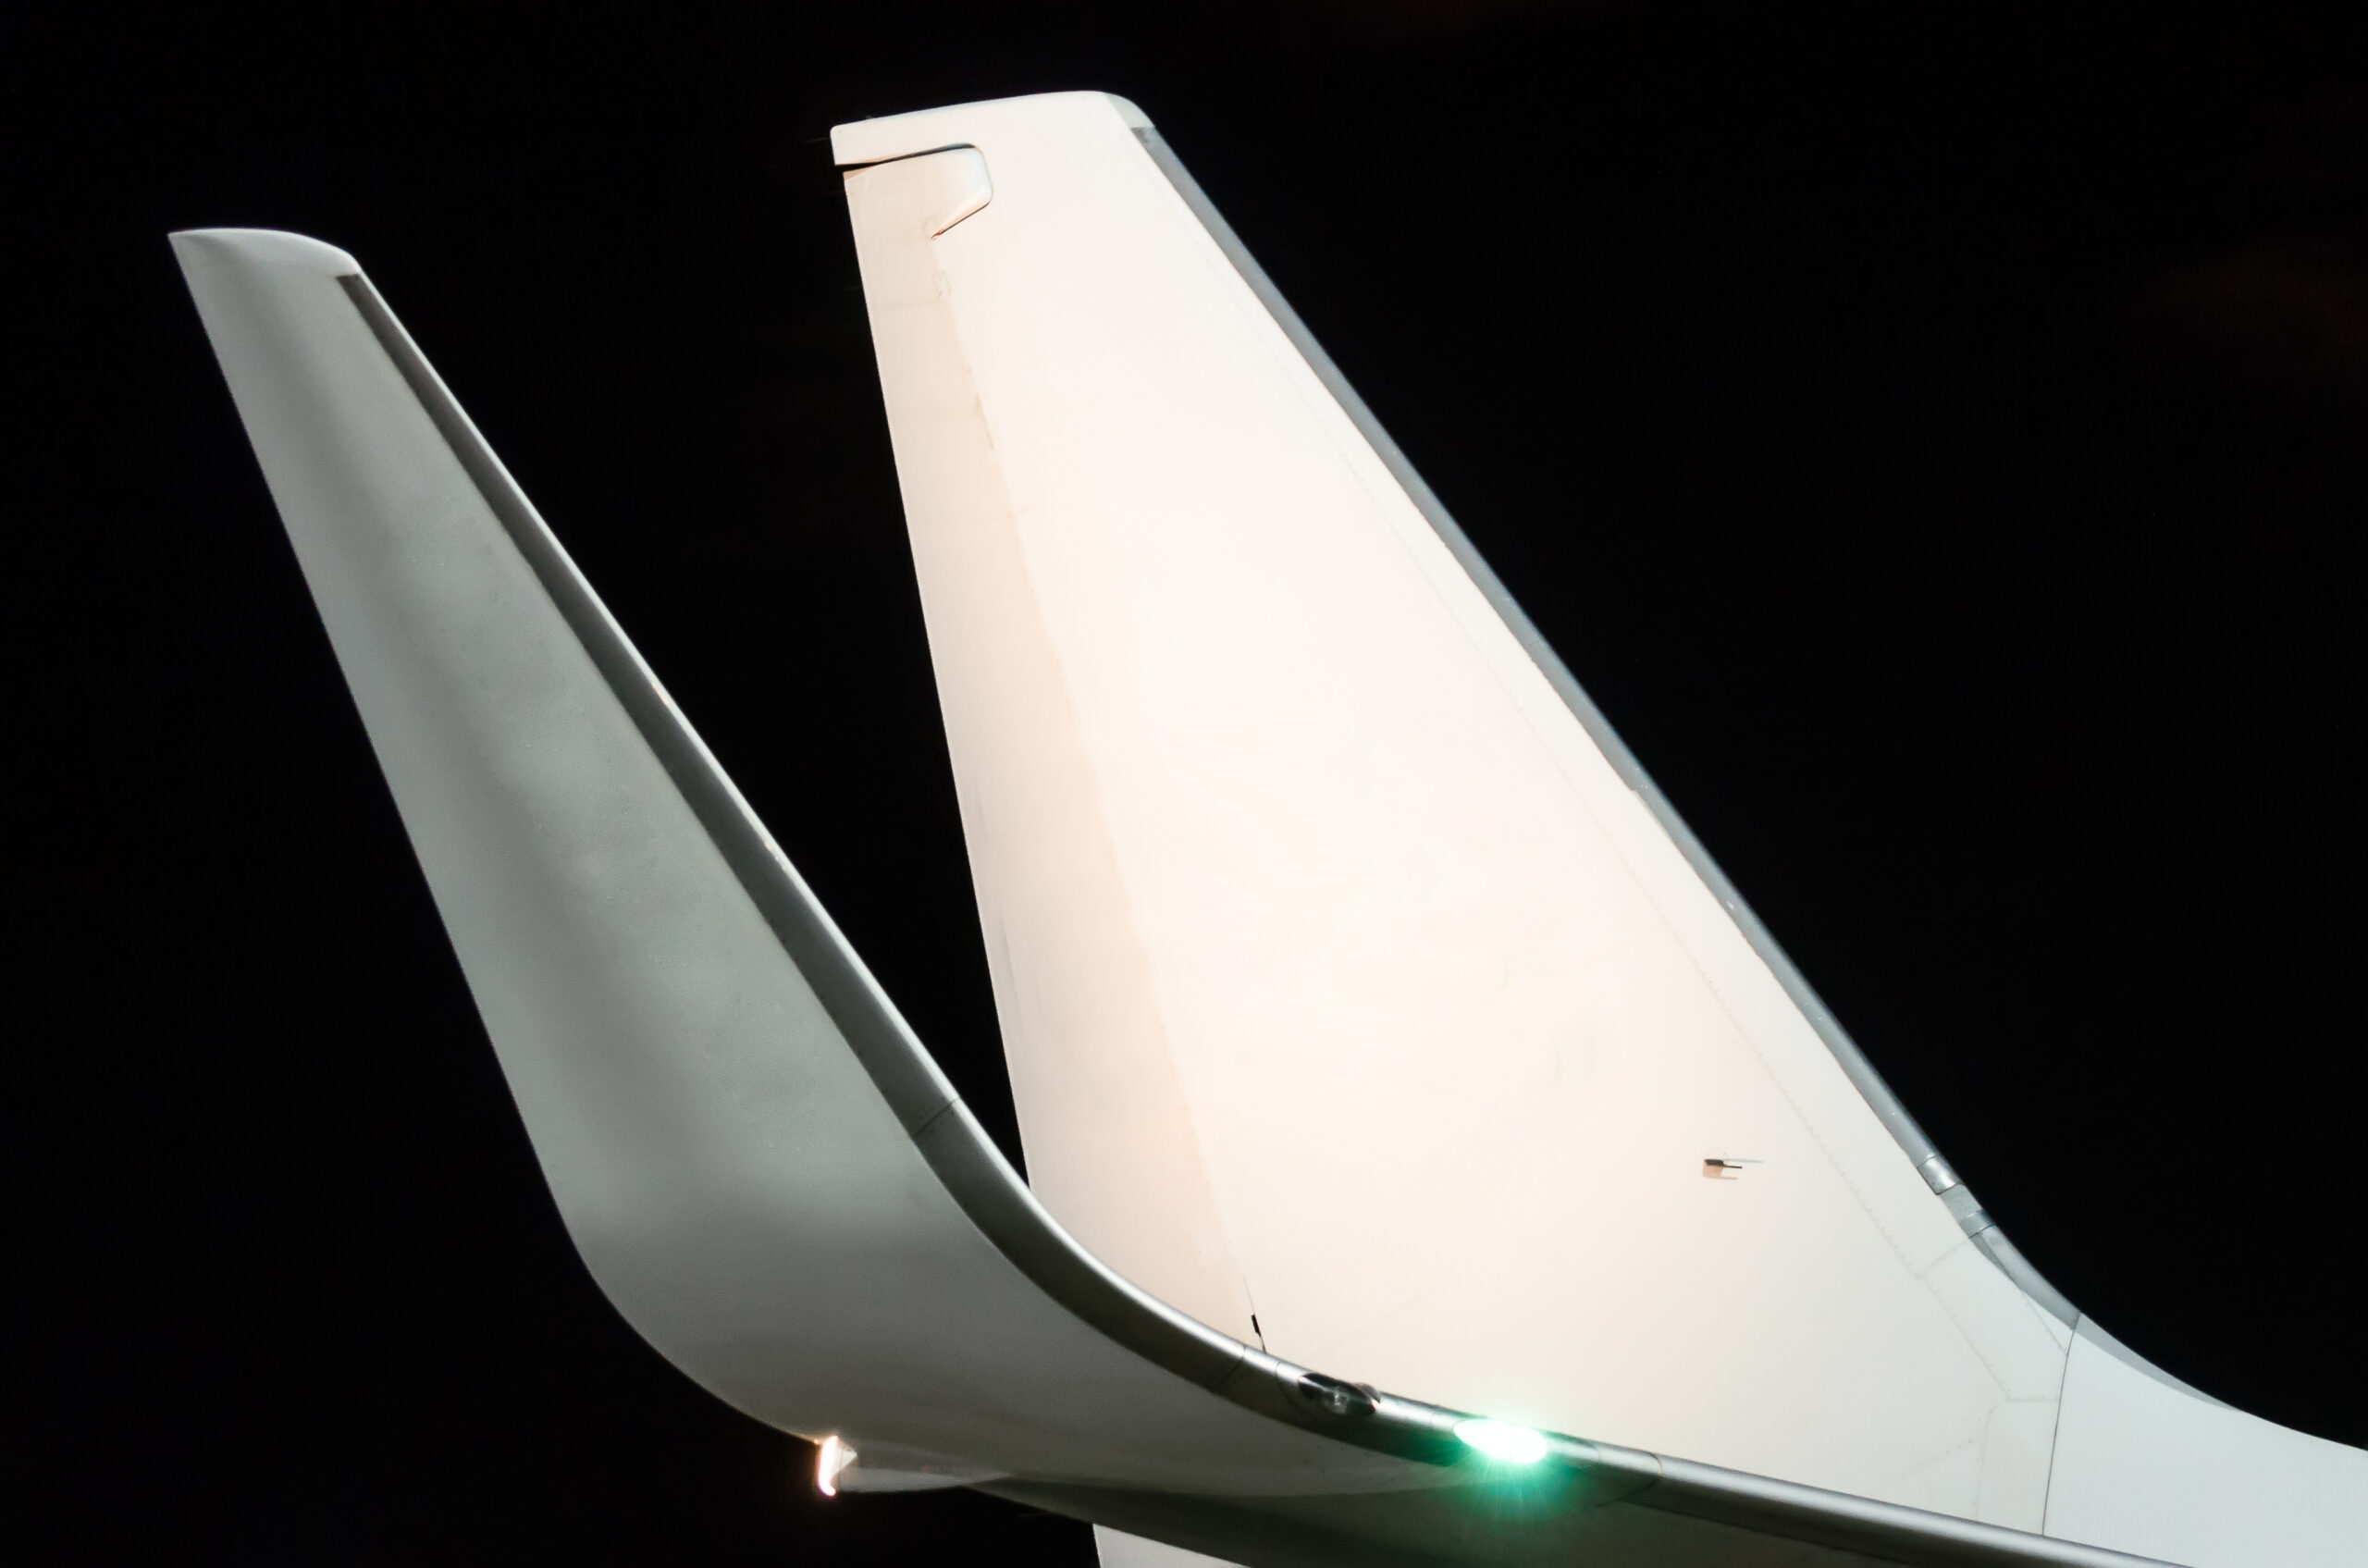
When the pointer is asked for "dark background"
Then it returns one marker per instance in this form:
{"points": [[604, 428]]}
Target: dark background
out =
{"points": [[1938, 446]]}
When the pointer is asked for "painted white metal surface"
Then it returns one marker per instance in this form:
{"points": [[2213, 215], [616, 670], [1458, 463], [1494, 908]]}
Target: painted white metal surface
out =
{"points": [[1101, 1104], [761, 1168], [1410, 1101], [2149, 1468], [1342, 979]]}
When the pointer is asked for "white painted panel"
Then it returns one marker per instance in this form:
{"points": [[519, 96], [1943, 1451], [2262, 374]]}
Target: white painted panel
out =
{"points": [[1343, 980], [1100, 1104], [2144, 1466], [762, 1168], [1449, 1022]]}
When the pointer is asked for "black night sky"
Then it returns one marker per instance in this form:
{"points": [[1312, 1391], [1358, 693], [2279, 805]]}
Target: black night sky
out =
{"points": [[1933, 444]]}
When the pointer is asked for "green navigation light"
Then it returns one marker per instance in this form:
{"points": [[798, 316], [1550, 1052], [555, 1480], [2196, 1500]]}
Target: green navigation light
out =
{"points": [[1503, 1439]]}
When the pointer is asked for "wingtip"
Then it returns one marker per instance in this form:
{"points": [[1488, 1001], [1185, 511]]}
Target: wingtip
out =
{"points": [[273, 248]]}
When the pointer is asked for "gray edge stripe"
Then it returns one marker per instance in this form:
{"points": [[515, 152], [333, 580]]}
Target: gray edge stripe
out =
{"points": [[1860, 1071], [981, 1181]]}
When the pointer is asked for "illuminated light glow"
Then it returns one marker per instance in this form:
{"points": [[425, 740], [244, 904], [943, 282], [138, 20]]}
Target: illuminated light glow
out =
{"points": [[1503, 1439], [831, 1458]]}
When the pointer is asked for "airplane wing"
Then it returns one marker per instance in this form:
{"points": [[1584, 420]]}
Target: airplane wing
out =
{"points": [[760, 1166], [1360, 993]]}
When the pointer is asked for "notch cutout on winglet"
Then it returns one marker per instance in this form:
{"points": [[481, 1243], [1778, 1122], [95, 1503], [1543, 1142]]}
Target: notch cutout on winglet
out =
{"points": [[961, 186], [959, 183]]}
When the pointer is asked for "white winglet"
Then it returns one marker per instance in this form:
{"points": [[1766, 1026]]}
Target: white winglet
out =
{"points": [[765, 1171], [1350, 971]]}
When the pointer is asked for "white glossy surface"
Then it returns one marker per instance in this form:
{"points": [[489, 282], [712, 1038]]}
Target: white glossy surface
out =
{"points": [[2146, 1467], [1200, 733], [1341, 979], [736, 1181]]}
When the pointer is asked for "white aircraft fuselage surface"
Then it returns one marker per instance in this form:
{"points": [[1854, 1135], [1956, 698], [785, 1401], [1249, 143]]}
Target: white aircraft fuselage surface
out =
{"points": [[1383, 1048]]}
